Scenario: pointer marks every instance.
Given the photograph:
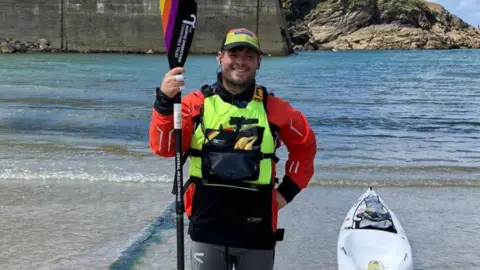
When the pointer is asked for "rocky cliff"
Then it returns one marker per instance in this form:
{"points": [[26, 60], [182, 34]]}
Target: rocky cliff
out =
{"points": [[376, 24]]}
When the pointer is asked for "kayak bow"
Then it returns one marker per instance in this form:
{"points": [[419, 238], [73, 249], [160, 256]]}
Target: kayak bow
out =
{"points": [[372, 237]]}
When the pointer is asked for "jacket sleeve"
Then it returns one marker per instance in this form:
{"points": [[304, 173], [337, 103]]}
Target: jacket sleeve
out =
{"points": [[161, 135], [300, 140]]}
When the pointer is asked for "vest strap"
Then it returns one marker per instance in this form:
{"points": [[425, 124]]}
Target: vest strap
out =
{"points": [[279, 235], [200, 153], [207, 90], [195, 152], [272, 156], [258, 92], [222, 183]]}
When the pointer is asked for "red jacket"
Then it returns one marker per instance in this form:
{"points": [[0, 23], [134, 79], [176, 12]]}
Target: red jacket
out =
{"points": [[290, 124]]}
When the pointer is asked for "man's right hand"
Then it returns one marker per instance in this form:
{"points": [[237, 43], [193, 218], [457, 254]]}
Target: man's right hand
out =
{"points": [[173, 82]]}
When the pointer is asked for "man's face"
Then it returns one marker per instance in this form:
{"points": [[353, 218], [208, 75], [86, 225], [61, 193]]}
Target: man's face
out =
{"points": [[239, 65]]}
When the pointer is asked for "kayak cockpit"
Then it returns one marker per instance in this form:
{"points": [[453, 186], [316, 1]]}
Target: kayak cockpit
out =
{"points": [[372, 214]]}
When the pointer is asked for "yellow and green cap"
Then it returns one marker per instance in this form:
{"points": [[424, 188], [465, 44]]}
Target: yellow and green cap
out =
{"points": [[241, 37]]}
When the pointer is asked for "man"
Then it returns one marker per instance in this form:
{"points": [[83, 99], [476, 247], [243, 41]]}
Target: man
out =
{"points": [[231, 130]]}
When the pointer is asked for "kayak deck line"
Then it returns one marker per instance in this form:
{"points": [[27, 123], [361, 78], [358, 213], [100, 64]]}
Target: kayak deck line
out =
{"points": [[165, 221]]}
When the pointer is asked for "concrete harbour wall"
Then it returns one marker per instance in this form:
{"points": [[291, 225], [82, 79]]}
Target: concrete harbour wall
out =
{"points": [[135, 25]]}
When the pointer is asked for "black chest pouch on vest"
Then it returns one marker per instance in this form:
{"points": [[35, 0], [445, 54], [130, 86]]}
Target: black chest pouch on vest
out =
{"points": [[231, 155]]}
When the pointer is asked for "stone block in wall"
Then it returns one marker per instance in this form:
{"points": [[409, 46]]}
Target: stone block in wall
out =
{"points": [[29, 20]]}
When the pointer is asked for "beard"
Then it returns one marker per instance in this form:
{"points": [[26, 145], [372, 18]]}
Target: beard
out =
{"points": [[240, 83]]}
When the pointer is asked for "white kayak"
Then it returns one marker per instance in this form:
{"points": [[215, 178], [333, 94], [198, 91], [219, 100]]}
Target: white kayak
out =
{"points": [[372, 238]]}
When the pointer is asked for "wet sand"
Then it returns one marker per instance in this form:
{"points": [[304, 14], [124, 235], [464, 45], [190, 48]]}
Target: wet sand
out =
{"points": [[74, 225], [440, 223], [88, 225]]}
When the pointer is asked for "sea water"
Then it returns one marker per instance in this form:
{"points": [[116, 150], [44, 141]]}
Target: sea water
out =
{"points": [[406, 122]]}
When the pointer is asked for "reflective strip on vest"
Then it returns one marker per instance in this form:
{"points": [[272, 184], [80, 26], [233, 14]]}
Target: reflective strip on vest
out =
{"points": [[217, 113]]}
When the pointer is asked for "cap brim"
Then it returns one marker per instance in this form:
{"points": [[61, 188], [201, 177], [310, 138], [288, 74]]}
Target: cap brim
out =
{"points": [[241, 44]]}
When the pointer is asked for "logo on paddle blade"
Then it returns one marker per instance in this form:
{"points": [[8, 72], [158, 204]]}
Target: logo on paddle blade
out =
{"points": [[191, 23], [183, 37]]}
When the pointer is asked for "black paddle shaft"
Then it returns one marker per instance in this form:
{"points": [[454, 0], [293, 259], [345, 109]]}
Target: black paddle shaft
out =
{"points": [[179, 196]]}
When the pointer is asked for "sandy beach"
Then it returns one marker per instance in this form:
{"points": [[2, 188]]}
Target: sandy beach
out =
{"points": [[88, 225], [438, 222], [66, 225]]}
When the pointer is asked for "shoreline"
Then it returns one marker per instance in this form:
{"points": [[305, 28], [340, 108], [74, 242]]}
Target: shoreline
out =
{"points": [[58, 51], [43, 46]]}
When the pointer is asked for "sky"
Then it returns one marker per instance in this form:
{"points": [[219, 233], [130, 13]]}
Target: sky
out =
{"points": [[468, 10]]}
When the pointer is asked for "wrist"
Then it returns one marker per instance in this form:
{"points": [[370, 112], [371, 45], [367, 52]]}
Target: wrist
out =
{"points": [[163, 104], [288, 188]]}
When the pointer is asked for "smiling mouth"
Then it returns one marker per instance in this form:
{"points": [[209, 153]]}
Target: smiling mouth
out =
{"points": [[241, 71]]}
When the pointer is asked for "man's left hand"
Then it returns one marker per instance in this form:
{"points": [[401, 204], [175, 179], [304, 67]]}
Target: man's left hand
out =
{"points": [[281, 202]]}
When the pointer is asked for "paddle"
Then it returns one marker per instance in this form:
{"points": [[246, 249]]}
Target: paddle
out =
{"points": [[178, 21]]}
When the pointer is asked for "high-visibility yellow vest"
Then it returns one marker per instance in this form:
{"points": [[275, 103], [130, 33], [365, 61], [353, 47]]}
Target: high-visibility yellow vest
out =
{"points": [[221, 156]]}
